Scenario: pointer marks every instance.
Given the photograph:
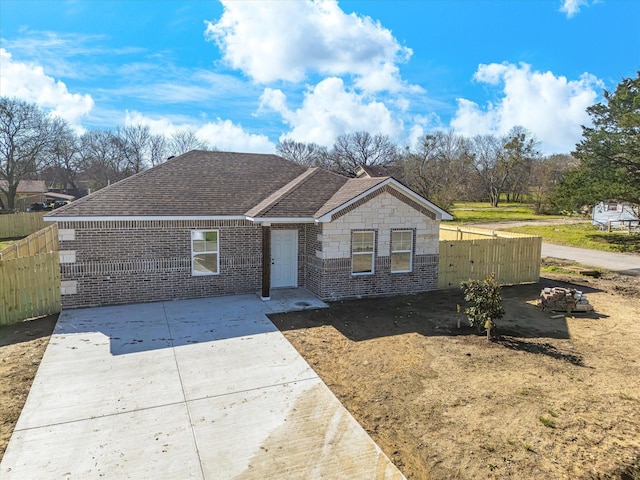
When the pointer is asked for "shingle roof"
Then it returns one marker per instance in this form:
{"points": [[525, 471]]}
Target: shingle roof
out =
{"points": [[209, 184], [194, 184], [309, 193], [351, 189], [27, 186]]}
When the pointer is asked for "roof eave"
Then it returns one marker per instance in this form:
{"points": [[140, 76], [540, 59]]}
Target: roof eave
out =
{"points": [[116, 218], [282, 219]]}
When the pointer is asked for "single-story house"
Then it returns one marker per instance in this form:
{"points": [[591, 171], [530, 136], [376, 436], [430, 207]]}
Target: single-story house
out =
{"points": [[219, 223], [28, 192], [615, 214]]}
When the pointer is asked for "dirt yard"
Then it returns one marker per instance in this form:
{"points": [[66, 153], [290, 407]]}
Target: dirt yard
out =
{"points": [[21, 349], [551, 398]]}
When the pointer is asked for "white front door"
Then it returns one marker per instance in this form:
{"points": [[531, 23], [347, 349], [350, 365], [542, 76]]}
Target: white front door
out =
{"points": [[284, 258]]}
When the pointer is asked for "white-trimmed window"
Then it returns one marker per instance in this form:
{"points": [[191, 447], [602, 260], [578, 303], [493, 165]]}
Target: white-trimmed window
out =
{"points": [[362, 252], [401, 251], [205, 257]]}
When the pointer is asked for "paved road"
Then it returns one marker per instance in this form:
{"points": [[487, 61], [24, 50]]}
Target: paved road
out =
{"points": [[617, 262]]}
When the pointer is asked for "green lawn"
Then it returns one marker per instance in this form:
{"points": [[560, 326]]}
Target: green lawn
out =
{"points": [[471, 212], [584, 235]]}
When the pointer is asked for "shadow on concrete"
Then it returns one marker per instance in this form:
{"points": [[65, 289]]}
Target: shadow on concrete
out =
{"points": [[143, 327]]}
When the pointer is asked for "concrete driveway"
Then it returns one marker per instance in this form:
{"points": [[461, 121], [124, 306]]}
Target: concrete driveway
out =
{"points": [[202, 389]]}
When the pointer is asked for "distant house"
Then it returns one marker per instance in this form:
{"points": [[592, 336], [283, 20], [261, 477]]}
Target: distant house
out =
{"points": [[218, 223], [29, 191], [615, 215]]}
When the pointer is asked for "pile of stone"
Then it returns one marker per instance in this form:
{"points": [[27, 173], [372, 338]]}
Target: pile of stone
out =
{"points": [[565, 300]]}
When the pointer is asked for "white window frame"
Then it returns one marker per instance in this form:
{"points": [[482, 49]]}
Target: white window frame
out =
{"points": [[194, 273], [410, 251], [372, 252]]}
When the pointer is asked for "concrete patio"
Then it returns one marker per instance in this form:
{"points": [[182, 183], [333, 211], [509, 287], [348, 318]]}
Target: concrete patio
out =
{"points": [[204, 389]]}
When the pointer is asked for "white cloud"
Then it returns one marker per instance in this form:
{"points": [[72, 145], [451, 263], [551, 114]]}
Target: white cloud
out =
{"points": [[551, 107], [572, 7], [29, 82], [272, 41], [221, 134], [329, 110]]}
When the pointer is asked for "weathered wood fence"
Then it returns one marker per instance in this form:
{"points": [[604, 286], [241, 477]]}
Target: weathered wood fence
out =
{"points": [[45, 240], [15, 225], [473, 253], [30, 277]]}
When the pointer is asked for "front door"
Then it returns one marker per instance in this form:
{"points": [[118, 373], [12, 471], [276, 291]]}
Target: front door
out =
{"points": [[284, 258]]}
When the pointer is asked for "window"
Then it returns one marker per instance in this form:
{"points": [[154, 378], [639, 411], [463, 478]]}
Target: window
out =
{"points": [[362, 253], [401, 251], [205, 259]]}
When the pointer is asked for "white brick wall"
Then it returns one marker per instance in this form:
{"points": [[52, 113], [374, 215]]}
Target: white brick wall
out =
{"points": [[382, 213]]}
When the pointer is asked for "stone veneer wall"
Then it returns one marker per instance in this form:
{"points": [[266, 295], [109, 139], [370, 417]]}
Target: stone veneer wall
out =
{"points": [[384, 212], [116, 262]]}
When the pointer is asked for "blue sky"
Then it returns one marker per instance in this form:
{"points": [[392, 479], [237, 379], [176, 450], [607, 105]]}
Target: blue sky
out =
{"points": [[245, 74]]}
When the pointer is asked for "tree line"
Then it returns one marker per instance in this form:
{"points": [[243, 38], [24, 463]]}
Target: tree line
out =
{"points": [[443, 166], [34, 145]]}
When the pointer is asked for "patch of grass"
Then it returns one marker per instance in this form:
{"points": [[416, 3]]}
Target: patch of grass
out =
{"points": [[624, 396], [557, 269], [484, 212], [547, 422], [583, 235]]}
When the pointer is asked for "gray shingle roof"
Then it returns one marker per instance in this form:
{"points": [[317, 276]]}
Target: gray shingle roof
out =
{"points": [[193, 184], [310, 192], [208, 184]]}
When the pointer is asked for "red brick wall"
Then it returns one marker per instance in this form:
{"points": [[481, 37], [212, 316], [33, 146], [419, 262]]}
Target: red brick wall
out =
{"points": [[145, 261], [337, 282], [128, 262]]}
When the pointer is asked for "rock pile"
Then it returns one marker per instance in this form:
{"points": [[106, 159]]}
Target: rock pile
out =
{"points": [[564, 299]]}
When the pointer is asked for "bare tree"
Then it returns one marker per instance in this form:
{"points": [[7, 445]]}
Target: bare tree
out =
{"points": [[546, 175], [158, 148], [361, 148], [101, 158], [520, 151], [503, 164], [26, 138], [134, 143], [64, 160], [488, 160], [183, 141], [306, 154], [440, 168]]}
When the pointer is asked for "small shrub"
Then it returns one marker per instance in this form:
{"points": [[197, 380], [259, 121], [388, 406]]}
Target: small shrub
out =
{"points": [[485, 303]]}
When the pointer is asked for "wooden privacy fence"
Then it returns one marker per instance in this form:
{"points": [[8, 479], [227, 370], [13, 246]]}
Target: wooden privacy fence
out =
{"points": [[30, 277], [45, 240], [15, 225], [29, 287], [513, 258]]}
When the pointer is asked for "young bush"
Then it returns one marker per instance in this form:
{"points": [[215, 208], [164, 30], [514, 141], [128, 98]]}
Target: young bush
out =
{"points": [[485, 303]]}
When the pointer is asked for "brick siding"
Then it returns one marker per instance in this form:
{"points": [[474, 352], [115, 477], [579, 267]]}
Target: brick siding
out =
{"points": [[128, 262], [118, 262]]}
